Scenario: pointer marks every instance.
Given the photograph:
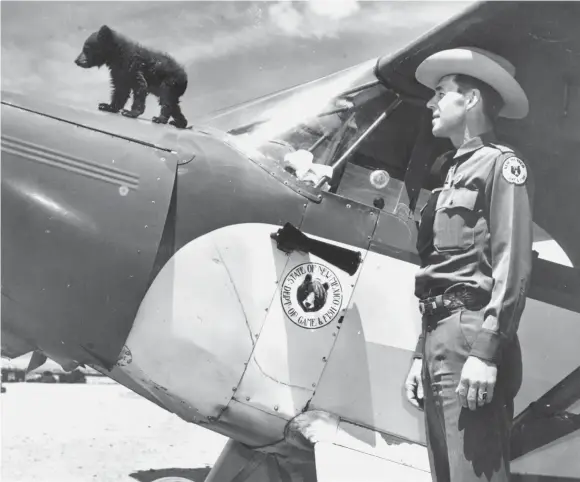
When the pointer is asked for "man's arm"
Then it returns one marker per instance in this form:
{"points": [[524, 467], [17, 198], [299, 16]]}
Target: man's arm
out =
{"points": [[510, 193]]}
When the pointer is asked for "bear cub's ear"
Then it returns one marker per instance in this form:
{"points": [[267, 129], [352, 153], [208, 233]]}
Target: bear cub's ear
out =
{"points": [[105, 33], [308, 278], [326, 286]]}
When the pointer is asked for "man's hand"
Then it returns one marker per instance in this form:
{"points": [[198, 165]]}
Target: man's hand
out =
{"points": [[414, 384], [477, 383]]}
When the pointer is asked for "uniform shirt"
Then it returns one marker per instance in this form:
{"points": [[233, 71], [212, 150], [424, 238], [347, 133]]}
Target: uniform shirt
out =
{"points": [[476, 231]]}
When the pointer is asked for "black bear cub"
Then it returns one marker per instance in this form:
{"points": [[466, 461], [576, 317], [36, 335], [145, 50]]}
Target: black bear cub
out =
{"points": [[138, 69]]}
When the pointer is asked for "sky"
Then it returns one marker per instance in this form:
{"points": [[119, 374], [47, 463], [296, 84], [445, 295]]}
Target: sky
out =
{"points": [[233, 51]]}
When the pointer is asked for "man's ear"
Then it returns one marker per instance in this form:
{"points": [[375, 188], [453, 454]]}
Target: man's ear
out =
{"points": [[473, 99]]}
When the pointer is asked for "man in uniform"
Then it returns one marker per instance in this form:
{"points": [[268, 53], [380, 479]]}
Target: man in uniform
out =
{"points": [[475, 243]]}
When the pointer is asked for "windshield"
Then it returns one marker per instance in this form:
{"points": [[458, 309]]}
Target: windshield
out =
{"points": [[308, 128]]}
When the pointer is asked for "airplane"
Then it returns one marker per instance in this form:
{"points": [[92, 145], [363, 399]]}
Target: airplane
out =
{"points": [[254, 273]]}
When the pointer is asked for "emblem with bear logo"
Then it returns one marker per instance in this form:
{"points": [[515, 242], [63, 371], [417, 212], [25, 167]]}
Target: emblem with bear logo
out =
{"points": [[311, 295], [514, 171]]}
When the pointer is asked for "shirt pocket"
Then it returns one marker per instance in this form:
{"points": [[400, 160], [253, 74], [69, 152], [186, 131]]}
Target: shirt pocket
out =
{"points": [[455, 219]]}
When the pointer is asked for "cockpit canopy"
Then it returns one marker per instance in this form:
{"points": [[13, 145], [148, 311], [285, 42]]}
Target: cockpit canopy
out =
{"points": [[309, 126], [346, 124]]}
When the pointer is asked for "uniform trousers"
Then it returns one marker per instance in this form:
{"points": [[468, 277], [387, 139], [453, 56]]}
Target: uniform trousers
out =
{"points": [[465, 445]]}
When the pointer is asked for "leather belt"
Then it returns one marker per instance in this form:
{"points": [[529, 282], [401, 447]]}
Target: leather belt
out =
{"points": [[447, 302]]}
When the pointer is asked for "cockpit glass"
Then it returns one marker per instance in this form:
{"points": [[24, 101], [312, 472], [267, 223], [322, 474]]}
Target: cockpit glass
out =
{"points": [[308, 128]]}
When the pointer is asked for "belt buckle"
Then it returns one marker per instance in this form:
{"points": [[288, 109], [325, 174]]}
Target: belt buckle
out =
{"points": [[428, 306]]}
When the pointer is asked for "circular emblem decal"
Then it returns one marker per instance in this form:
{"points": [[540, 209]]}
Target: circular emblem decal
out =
{"points": [[514, 171], [311, 295]]}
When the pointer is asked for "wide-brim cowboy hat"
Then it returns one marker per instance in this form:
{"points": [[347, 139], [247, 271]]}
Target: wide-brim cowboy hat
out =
{"points": [[492, 69]]}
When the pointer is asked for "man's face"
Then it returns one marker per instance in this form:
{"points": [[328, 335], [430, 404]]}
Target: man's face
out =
{"points": [[449, 108]]}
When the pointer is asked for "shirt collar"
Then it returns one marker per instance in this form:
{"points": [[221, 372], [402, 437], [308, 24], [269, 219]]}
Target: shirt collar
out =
{"points": [[474, 144]]}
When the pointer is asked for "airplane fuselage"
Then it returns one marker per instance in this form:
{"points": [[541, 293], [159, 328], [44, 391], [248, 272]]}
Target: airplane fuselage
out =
{"points": [[147, 253]]}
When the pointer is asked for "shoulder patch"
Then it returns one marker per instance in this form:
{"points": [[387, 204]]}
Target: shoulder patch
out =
{"points": [[514, 171]]}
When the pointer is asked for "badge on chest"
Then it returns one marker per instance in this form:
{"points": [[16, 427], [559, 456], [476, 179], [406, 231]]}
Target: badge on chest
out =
{"points": [[452, 177]]}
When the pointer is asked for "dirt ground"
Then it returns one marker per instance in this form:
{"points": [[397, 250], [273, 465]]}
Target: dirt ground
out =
{"points": [[98, 432]]}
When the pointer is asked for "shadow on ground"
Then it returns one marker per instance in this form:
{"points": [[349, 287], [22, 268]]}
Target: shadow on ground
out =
{"points": [[195, 475]]}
